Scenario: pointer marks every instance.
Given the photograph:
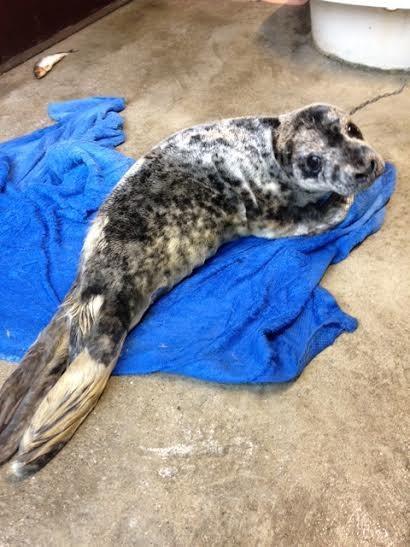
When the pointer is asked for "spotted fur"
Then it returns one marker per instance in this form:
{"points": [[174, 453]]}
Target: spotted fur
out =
{"points": [[294, 174]]}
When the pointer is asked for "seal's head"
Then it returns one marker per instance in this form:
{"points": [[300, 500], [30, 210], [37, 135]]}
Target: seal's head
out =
{"points": [[320, 149]]}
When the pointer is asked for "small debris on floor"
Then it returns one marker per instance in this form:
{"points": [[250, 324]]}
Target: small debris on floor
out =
{"points": [[45, 64]]}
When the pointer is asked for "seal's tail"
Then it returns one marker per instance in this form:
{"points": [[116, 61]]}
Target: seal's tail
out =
{"points": [[21, 393], [97, 333]]}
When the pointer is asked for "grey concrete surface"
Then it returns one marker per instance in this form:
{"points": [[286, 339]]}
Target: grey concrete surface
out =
{"points": [[169, 461]]}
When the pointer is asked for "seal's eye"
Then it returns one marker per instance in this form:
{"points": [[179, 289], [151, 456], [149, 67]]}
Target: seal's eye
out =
{"points": [[353, 131], [314, 164]]}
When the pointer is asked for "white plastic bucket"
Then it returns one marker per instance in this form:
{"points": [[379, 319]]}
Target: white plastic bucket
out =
{"points": [[374, 33]]}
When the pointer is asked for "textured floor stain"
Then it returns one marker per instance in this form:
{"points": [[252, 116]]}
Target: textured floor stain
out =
{"points": [[210, 447]]}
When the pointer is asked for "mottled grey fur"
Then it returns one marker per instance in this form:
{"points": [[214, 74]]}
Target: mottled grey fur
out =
{"points": [[274, 176]]}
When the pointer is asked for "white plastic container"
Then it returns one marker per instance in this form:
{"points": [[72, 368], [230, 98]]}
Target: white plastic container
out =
{"points": [[374, 33]]}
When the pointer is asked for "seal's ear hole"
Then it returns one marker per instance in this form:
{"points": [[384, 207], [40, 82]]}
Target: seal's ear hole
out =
{"points": [[353, 131], [314, 164]]}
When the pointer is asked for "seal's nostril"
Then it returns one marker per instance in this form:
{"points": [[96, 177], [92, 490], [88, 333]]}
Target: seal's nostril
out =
{"points": [[371, 170]]}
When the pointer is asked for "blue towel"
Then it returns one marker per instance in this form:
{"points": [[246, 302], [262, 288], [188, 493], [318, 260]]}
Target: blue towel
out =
{"points": [[253, 313]]}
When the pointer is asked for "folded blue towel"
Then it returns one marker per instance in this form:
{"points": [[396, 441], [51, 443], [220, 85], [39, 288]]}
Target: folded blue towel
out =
{"points": [[253, 313]]}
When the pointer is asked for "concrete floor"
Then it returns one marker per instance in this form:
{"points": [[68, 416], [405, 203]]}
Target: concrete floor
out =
{"points": [[170, 461]]}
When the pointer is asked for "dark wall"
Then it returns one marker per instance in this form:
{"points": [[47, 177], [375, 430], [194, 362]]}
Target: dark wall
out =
{"points": [[26, 23]]}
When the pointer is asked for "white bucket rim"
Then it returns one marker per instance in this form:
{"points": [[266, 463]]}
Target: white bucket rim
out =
{"points": [[386, 4]]}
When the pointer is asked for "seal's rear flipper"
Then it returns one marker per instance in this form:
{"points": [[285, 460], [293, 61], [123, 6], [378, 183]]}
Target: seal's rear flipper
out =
{"points": [[72, 398], [24, 389]]}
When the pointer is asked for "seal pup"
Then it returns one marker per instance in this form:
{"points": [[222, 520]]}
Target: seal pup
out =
{"points": [[294, 174]]}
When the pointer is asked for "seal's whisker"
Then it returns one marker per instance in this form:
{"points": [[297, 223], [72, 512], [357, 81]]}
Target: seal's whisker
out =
{"points": [[378, 98]]}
